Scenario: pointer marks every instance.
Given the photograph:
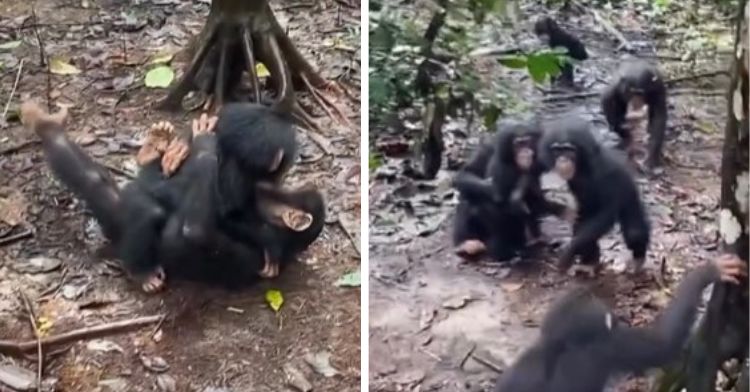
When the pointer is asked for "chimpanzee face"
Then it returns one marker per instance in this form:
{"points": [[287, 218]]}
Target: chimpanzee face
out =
{"points": [[565, 160], [523, 152]]}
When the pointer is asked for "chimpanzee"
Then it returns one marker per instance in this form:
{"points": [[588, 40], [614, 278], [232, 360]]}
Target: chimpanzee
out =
{"points": [[582, 344], [501, 195], [637, 87], [548, 30], [605, 191], [157, 222]]}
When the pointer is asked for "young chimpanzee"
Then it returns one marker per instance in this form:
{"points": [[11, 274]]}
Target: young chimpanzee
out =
{"points": [[549, 31], [638, 87], [502, 200], [582, 344], [156, 222], [605, 191]]}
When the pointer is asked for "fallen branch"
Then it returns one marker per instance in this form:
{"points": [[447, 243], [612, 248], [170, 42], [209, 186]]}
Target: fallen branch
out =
{"points": [[624, 43], [19, 146], [668, 82], [13, 89], [16, 237], [15, 348], [38, 337]]}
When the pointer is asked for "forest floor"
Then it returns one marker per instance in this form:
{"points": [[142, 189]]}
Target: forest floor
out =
{"points": [[437, 324], [210, 340]]}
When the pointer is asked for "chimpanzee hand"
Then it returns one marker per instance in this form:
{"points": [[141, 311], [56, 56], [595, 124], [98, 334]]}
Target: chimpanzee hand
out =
{"points": [[730, 268], [157, 140], [204, 124], [35, 118]]}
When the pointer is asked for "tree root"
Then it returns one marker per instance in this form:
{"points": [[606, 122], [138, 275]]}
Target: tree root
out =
{"points": [[238, 35]]}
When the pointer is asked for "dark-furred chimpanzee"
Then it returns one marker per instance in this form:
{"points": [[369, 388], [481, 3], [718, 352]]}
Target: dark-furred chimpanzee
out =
{"points": [[157, 222], [550, 32], [501, 197], [582, 344], [605, 192], [638, 88]]}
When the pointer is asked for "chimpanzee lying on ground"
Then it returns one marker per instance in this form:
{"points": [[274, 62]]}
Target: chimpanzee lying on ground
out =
{"points": [[501, 197], [582, 345], [175, 220]]}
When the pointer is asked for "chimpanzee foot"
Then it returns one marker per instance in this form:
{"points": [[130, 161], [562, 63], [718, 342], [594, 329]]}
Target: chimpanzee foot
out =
{"points": [[283, 215], [270, 267], [590, 270], [176, 153], [157, 140], [471, 249], [155, 281]]}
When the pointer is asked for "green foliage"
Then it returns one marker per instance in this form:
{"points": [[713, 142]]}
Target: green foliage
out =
{"points": [[374, 161]]}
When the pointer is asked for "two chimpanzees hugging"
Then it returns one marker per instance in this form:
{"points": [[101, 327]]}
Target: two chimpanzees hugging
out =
{"points": [[501, 199], [206, 206]]}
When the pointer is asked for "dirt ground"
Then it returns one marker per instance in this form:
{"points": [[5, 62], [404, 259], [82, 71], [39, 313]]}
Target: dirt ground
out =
{"points": [[439, 325], [211, 340]]}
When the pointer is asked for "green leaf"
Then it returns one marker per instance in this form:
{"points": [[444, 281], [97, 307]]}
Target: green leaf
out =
{"points": [[513, 61], [374, 162], [60, 66], [159, 77], [261, 70], [544, 64], [274, 299], [352, 279], [10, 45]]}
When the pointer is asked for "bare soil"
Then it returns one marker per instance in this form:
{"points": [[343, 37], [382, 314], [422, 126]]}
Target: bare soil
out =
{"points": [[211, 338], [439, 325]]}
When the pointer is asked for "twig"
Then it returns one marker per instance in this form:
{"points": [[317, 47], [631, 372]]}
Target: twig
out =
{"points": [[709, 74], [13, 89], [158, 326], [119, 171], [39, 352], [16, 237], [487, 363], [320, 141], [624, 43], [15, 348], [43, 59], [19, 146]]}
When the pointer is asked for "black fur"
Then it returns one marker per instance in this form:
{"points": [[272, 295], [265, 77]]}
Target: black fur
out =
{"points": [[578, 350], [559, 38], [643, 76], [605, 191]]}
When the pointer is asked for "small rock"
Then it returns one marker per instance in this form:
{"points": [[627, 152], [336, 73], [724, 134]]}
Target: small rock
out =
{"points": [[155, 364], [103, 346], [296, 379], [18, 378], [166, 383], [321, 363], [457, 302]]}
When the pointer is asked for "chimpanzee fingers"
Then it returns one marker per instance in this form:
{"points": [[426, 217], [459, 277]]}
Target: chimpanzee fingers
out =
{"points": [[175, 155], [212, 123], [34, 117]]}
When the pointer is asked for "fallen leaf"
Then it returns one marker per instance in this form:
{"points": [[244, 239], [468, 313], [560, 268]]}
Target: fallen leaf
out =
{"points": [[10, 45], [296, 379], [274, 299], [44, 325], [321, 363], [261, 70], [104, 346], [352, 279], [13, 208], [162, 58], [159, 77], [60, 66]]}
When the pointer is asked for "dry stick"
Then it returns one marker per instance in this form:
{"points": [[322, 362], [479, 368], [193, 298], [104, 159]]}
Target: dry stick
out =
{"points": [[16, 237], [19, 146], [13, 90], [39, 352], [15, 348], [487, 363], [668, 82]]}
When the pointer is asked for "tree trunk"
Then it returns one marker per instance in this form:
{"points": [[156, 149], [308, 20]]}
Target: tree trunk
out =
{"points": [[723, 333], [237, 35]]}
